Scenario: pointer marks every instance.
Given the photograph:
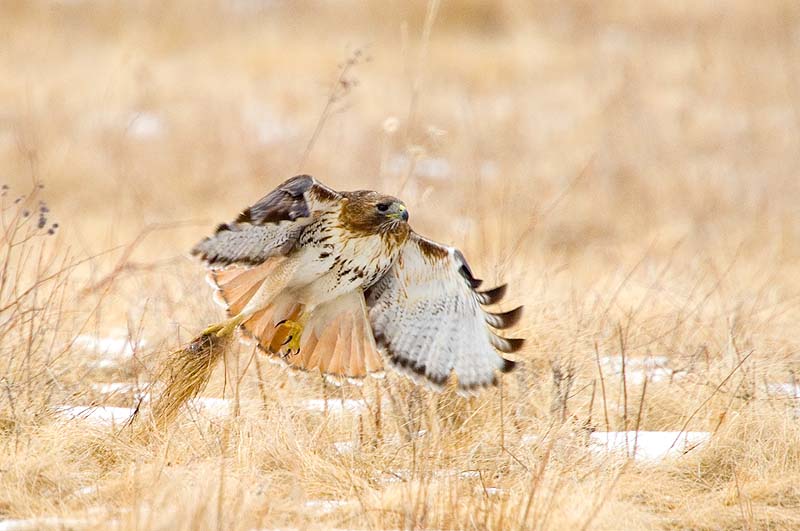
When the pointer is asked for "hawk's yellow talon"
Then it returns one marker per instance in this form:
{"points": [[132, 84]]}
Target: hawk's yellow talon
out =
{"points": [[213, 329], [225, 328], [291, 332]]}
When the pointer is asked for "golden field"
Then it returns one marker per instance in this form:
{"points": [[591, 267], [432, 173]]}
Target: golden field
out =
{"points": [[631, 169]]}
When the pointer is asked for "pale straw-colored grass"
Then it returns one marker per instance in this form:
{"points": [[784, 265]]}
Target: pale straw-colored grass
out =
{"points": [[631, 169]]}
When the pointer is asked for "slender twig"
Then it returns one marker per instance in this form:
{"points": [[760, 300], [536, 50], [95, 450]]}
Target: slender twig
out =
{"points": [[639, 416], [624, 388], [708, 399], [339, 89], [602, 386]]}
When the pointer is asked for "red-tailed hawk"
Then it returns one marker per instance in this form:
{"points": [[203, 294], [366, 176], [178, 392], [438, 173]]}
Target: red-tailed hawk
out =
{"points": [[338, 281]]}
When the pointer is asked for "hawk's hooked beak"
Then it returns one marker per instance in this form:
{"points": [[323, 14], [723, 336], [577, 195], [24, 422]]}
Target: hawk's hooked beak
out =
{"points": [[398, 211]]}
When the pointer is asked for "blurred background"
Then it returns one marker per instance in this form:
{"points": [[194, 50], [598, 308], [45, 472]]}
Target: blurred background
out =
{"points": [[631, 169], [577, 126], [626, 156]]}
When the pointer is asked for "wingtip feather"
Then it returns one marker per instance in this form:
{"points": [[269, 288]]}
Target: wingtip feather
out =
{"points": [[506, 344], [492, 296], [508, 365], [505, 319]]}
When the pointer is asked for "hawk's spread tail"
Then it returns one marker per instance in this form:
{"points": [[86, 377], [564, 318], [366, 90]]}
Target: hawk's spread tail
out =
{"points": [[235, 286], [335, 338]]}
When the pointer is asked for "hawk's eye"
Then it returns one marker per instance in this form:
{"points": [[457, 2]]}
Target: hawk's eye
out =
{"points": [[383, 207]]}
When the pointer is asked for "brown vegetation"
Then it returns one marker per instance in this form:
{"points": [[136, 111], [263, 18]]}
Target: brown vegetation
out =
{"points": [[631, 168]]}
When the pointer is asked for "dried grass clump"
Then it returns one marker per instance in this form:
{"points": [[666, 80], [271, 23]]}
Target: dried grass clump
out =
{"points": [[630, 169], [187, 372]]}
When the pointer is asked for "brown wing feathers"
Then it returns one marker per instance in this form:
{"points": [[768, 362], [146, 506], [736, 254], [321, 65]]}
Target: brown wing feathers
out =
{"points": [[268, 228], [285, 203], [492, 296], [504, 320]]}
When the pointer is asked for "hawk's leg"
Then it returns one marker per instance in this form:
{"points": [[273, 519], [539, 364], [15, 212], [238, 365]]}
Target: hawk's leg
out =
{"points": [[288, 334], [225, 328]]}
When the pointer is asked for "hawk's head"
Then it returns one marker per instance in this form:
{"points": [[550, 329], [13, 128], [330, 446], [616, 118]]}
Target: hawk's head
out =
{"points": [[373, 213]]}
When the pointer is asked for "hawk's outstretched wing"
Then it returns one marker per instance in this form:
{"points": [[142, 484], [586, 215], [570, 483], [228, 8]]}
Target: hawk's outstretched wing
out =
{"points": [[428, 318], [270, 227]]}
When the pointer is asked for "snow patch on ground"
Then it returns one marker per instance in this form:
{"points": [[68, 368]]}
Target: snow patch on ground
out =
{"points": [[335, 405], [45, 522], [325, 506], [110, 351], [93, 515], [653, 368], [792, 390], [345, 447], [648, 445], [212, 407], [145, 125], [110, 416], [203, 406], [99, 415]]}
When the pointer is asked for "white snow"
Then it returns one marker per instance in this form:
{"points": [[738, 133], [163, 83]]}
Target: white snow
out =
{"points": [[110, 351], [791, 390], [653, 368], [335, 405], [344, 447], [212, 407], [145, 125], [650, 445], [110, 415], [85, 491], [100, 415], [45, 522], [325, 506], [92, 516]]}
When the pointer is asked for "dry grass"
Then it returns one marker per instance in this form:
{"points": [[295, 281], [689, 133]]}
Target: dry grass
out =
{"points": [[631, 168]]}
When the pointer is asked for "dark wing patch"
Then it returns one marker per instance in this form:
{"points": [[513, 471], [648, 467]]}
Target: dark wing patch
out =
{"points": [[504, 320], [286, 203], [466, 272], [271, 227], [492, 296]]}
